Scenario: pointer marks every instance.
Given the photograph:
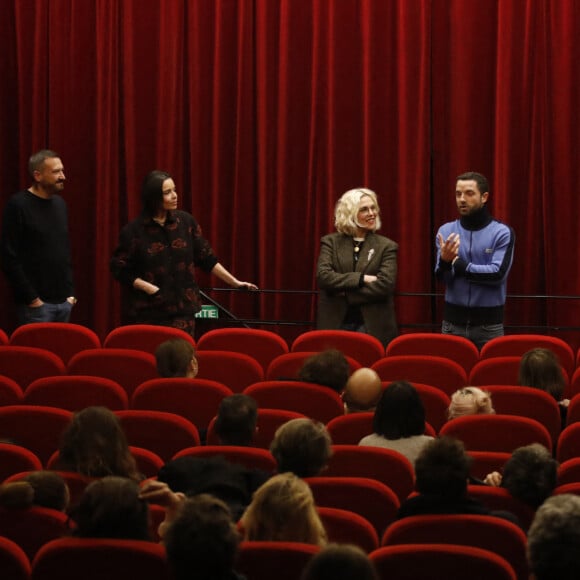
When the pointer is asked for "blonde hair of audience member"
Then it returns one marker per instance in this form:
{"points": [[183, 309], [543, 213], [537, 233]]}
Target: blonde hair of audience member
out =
{"points": [[94, 444], [470, 401], [176, 359], [38, 488], [540, 368], [283, 510], [362, 392]]}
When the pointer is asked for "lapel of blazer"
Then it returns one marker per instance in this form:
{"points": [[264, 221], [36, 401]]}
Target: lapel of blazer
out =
{"points": [[344, 252]]}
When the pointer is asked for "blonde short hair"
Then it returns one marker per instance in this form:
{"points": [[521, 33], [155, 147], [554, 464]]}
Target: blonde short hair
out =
{"points": [[346, 210], [470, 401], [283, 510]]}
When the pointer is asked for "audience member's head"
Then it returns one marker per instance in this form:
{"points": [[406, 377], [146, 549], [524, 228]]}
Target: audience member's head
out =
{"points": [[328, 368], [530, 474], [283, 510], [110, 508], [362, 392], [470, 401], [302, 446], [340, 562], [400, 412], [95, 445], [554, 539], [236, 420], [540, 368], [176, 359], [38, 488], [50, 489], [442, 468], [202, 542]]}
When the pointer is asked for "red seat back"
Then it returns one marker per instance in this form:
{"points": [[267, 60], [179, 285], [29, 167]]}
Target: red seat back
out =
{"points": [[25, 364], [457, 348], [314, 401], [14, 562], [15, 459], [496, 432], [10, 392], [384, 465], [369, 498], [569, 471], [262, 345], [95, 559], [280, 560], [519, 344], [233, 369], [527, 402], [443, 562], [62, 338], [35, 427], [127, 367], [500, 499], [33, 527], [345, 527], [568, 443], [486, 532], [197, 400], [145, 337], [75, 393], [440, 372], [163, 433], [501, 370], [364, 348]]}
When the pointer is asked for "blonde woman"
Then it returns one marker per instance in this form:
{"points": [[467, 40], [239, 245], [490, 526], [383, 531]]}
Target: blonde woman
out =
{"points": [[357, 270], [470, 401], [283, 510]]}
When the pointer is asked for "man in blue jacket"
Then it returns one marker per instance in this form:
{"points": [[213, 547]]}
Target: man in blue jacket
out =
{"points": [[474, 257]]}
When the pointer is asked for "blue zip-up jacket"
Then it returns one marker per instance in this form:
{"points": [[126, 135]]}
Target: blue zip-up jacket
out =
{"points": [[476, 284]]}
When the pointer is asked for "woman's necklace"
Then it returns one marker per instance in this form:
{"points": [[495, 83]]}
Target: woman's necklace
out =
{"points": [[357, 246]]}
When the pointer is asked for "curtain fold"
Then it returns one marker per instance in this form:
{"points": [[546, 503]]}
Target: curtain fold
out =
{"points": [[266, 111]]}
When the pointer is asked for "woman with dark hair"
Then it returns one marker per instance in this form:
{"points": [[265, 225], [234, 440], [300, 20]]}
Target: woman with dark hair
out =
{"points": [[95, 445], [111, 508], [540, 368], [157, 255], [399, 422]]}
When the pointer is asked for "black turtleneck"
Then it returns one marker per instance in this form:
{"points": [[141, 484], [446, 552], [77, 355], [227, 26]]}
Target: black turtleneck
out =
{"points": [[476, 220]]}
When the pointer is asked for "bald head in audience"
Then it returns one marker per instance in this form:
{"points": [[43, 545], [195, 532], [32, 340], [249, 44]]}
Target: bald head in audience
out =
{"points": [[362, 392]]}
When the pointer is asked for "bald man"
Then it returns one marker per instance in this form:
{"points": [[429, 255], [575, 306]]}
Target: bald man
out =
{"points": [[362, 392]]}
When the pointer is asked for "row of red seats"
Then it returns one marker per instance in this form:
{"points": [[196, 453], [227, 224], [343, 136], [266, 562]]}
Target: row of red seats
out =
{"points": [[130, 367], [165, 434], [198, 399], [65, 340], [93, 559]]}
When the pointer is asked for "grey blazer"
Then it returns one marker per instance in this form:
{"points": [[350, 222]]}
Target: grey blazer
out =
{"points": [[340, 284]]}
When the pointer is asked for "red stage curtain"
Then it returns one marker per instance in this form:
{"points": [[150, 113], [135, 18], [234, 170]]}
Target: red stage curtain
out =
{"points": [[265, 111]]}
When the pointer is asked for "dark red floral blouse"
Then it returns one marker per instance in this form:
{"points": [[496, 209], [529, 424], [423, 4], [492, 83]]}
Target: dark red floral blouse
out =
{"points": [[165, 256]]}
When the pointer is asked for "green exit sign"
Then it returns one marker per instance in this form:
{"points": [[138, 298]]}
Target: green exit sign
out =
{"points": [[208, 311]]}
